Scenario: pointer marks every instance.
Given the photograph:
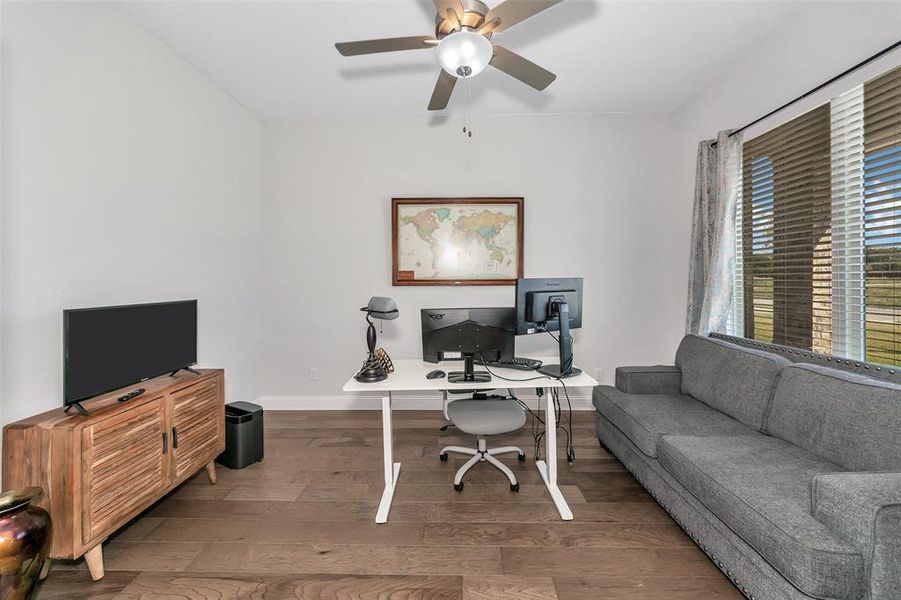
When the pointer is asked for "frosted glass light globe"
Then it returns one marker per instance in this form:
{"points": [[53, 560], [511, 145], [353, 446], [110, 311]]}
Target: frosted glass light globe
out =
{"points": [[464, 53]]}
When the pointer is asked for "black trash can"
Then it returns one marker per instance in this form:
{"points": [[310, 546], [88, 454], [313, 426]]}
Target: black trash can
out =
{"points": [[243, 435]]}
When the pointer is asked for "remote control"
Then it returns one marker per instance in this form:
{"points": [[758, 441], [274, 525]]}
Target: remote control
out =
{"points": [[131, 394]]}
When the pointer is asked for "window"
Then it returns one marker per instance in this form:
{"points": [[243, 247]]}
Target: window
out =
{"points": [[819, 228], [882, 217], [787, 233]]}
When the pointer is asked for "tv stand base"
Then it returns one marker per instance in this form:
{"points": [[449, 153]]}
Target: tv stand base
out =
{"points": [[188, 369], [81, 409]]}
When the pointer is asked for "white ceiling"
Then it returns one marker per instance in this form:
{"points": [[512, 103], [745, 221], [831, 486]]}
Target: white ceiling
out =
{"points": [[278, 58]]}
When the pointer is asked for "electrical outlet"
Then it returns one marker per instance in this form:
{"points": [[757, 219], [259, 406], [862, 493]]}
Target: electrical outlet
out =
{"points": [[598, 374], [314, 373]]}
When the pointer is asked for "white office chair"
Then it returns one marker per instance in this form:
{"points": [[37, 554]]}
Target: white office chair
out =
{"points": [[482, 417]]}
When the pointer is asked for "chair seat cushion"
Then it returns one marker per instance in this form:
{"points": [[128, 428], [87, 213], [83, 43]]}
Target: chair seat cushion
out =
{"points": [[644, 419], [760, 487], [486, 417]]}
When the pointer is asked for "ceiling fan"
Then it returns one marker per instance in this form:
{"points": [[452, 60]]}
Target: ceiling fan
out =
{"points": [[463, 30]]}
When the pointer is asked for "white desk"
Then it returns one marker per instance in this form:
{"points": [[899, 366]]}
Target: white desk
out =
{"points": [[409, 376]]}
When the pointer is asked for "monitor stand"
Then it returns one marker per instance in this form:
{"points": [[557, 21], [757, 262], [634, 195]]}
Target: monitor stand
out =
{"points": [[565, 343], [468, 374]]}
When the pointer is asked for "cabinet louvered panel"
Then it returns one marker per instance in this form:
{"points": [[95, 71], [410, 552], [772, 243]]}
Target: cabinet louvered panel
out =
{"points": [[125, 466], [101, 470], [198, 427]]}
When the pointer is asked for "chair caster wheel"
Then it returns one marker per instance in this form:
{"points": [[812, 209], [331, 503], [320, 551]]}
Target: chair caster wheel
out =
{"points": [[443, 456], [521, 457], [458, 486], [514, 487]]}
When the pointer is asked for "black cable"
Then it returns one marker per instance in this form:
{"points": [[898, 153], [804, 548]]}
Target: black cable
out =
{"points": [[493, 374], [556, 406], [569, 362], [570, 448], [526, 406]]}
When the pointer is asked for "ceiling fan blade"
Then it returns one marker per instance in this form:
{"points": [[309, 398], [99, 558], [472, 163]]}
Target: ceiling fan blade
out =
{"points": [[489, 27], [384, 45], [516, 66], [512, 12], [444, 87], [444, 5]]}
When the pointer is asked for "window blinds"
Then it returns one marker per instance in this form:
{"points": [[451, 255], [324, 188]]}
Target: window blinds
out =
{"points": [[786, 233], [847, 225], [882, 216], [818, 262]]}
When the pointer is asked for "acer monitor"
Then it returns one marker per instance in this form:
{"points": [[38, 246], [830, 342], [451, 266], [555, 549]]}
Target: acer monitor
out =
{"points": [[468, 334]]}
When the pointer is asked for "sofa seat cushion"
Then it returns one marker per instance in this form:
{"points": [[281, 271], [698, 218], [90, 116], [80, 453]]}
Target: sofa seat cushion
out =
{"points": [[645, 418], [760, 487], [733, 379]]}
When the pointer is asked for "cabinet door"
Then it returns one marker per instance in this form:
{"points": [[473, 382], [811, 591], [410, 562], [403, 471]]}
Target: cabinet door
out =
{"points": [[125, 467], [198, 426]]}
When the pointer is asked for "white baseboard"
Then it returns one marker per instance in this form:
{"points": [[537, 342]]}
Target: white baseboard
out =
{"points": [[400, 402]]}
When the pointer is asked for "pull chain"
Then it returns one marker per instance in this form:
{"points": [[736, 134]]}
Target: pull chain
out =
{"points": [[467, 116]]}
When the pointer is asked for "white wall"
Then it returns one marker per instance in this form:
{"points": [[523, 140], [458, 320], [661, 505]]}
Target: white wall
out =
{"points": [[128, 177], [825, 39], [598, 204]]}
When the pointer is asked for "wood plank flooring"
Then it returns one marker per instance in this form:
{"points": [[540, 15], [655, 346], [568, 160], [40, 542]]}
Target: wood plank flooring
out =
{"points": [[300, 525]]}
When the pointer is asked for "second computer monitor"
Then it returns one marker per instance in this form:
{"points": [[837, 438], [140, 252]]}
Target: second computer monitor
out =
{"points": [[551, 305], [535, 301]]}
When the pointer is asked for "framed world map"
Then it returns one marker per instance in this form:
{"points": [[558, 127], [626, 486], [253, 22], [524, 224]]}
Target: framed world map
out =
{"points": [[456, 241]]}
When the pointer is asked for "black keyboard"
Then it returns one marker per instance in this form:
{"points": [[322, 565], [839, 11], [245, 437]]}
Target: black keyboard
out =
{"points": [[521, 364]]}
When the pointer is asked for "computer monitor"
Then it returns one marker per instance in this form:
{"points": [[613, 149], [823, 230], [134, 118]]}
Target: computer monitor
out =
{"points": [[468, 334], [551, 305]]}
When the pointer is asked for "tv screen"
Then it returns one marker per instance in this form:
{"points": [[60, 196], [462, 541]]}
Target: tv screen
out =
{"points": [[114, 346]]}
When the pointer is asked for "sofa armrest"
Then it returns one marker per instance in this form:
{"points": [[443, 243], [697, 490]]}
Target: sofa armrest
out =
{"points": [[865, 508], [659, 379]]}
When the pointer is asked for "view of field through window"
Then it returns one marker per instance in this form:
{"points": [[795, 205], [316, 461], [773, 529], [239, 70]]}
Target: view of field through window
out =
{"points": [[786, 232], [882, 235]]}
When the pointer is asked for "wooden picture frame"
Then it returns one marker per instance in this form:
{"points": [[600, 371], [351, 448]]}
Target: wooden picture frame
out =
{"points": [[401, 276]]}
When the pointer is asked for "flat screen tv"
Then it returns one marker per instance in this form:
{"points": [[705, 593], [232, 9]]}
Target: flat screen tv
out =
{"points": [[111, 347]]}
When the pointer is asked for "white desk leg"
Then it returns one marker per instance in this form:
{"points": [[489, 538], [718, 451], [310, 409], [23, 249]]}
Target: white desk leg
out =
{"points": [[548, 470], [392, 469]]}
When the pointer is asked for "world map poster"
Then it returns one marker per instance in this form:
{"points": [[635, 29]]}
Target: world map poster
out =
{"points": [[457, 241]]}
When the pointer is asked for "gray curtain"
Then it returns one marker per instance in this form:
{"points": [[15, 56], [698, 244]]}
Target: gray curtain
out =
{"points": [[712, 266]]}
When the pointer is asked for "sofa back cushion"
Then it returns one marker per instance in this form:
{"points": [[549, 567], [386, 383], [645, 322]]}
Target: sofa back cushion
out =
{"points": [[848, 419], [735, 380]]}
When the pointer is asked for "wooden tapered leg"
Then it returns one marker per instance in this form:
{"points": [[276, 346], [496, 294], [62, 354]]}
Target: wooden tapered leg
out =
{"points": [[211, 472], [94, 558], [45, 569]]}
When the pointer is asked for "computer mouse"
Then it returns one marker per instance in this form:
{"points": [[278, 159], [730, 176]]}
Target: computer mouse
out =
{"points": [[436, 374]]}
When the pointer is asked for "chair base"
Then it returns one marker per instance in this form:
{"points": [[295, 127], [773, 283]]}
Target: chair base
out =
{"points": [[483, 454]]}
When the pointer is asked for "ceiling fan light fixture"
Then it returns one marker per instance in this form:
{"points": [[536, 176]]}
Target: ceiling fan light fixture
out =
{"points": [[464, 53]]}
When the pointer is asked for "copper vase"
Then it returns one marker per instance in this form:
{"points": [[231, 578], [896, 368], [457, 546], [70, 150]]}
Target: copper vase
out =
{"points": [[24, 542]]}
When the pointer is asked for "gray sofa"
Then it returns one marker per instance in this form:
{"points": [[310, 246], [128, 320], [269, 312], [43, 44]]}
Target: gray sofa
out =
{"points": [[787, 475]]}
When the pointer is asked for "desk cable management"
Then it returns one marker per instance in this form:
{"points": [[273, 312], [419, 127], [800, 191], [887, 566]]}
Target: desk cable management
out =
{"points": [[538, 433]]}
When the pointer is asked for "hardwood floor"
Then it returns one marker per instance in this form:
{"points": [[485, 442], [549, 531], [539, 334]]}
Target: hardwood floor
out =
{"points": [[300, 525]]}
